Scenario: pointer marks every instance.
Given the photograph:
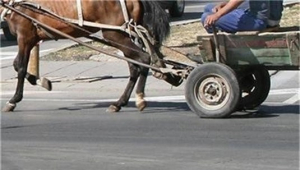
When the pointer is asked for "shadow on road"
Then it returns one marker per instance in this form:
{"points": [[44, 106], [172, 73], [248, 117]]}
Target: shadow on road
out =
{"points": [[161, 107], [152, 107], [266, 111], [284, 109]]}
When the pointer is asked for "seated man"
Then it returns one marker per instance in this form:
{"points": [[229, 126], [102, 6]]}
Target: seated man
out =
{"points": [[242, 15]]}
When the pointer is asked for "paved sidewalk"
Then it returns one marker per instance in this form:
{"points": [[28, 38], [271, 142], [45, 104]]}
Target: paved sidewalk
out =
{"points": [[107, 79]]}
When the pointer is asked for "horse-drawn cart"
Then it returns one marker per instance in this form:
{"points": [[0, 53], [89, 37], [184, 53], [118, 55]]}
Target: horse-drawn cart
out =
{"points": [[232, 71]]}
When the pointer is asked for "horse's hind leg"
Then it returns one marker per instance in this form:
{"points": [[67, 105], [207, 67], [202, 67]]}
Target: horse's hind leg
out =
{"points": [[134, 74], [20, 65], [140, 89], [133, 52]]}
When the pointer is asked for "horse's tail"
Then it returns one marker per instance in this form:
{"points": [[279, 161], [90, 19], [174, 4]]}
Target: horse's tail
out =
{"points": [[155, 20]]}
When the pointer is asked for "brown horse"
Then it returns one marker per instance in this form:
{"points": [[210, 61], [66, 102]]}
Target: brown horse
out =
{"points": [[149, 14]]}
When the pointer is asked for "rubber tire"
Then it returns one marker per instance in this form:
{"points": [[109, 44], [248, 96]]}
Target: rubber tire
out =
{"points": [[260, 85], [176, 10], [204, 72], [8, 35]]}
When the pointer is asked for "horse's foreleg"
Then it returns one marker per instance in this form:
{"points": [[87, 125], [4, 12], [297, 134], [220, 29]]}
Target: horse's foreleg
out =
{"points": [[31, 78], [134, 74], [20, 65], [32, 75]]}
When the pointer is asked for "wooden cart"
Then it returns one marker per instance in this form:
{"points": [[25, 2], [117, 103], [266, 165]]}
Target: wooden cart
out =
{"points": [[233, 74]]}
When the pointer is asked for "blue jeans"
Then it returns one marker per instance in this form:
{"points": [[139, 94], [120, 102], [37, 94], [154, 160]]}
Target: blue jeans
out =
{"points": [[236, 20]]}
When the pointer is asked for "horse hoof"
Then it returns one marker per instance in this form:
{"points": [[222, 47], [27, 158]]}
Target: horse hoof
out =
{"points": [[113, 108], [9, 107], [141, 105]]}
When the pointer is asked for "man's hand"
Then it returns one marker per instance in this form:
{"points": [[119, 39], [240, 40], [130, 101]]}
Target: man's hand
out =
{"points": [[221, 10], [211, 20]]}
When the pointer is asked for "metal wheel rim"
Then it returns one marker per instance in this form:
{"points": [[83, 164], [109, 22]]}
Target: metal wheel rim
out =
{"points": [[253, 95], [252, 89], [212, 92]]}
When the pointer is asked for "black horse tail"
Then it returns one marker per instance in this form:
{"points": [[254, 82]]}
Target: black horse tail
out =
{"points": [[155, 20]]}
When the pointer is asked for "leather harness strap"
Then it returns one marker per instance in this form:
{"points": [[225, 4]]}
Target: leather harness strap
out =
{"points": [[124, 10], [79, 11], [7, 11]]}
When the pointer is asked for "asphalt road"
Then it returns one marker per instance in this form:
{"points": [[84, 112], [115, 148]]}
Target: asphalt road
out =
{"points": [[71, 130], [81, 135]]}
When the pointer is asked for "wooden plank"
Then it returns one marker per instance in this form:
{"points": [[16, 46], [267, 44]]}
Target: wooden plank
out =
{"points": [[222, 47], [274, 49], [243, 56], [293, 42], [206, 49], [251, 41]]}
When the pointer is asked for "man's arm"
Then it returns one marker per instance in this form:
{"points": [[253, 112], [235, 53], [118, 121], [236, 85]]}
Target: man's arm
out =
{"points": [[231, 5], [219, 6]]}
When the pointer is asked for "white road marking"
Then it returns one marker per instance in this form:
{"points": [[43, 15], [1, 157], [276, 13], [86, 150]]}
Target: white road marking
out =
{"points": [[12, 55], [7, 58], [293, 99], [178, 98], [195, 7], [284, 91], [26, 92], [156, 99], [9, 53], [272, 92]]}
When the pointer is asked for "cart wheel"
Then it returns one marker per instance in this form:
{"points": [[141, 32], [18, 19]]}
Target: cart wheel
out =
{"points": [[212, 90], [255, 86]]}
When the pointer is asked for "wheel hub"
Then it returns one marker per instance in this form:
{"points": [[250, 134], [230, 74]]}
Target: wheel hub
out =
{"points": [[212, 91]]}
